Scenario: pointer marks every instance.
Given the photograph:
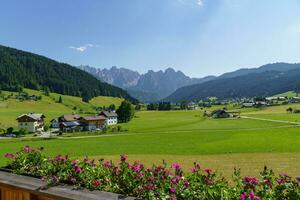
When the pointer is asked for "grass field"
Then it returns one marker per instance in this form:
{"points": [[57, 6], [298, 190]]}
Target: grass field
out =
{"points": [[185, 137], [287, 94], [12, 108], [176, 136]]}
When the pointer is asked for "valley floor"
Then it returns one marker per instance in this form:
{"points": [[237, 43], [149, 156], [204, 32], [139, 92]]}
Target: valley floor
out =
{"points": [[187, 136]]}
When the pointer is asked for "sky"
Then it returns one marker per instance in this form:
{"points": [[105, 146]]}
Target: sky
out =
{"points": [[198, 37]]}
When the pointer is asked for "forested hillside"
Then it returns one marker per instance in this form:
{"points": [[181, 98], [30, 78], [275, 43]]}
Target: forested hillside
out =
{"points": [[267, 83], [20, 69]]}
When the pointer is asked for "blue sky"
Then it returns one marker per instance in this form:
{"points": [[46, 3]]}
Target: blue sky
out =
{"points": [[198, 37]]}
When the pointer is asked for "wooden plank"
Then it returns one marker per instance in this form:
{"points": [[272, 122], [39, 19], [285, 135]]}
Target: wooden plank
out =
{"points": [[9, 194]]}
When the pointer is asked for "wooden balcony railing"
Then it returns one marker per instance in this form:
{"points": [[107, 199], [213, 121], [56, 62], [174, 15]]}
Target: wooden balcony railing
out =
{"points": [[17, 187]]}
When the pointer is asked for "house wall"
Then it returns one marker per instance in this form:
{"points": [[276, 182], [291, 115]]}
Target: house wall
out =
{"points": [[90, 126], [30, 127], [111, 121], [55, 124]]}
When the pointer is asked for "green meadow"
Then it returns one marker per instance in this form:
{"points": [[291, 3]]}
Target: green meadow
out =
{"points": [[12, 108], [176, 136]]}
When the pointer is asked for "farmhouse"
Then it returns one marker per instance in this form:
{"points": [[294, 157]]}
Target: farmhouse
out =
{"points": [[220, 114], [91, 123], [192, 106], [31, 122], [55, 123], [111, 117], [248, 104], [70, 127]]}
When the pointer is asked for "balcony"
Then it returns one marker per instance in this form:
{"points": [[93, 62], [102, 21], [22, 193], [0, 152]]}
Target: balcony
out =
{"points": [[17, 187]]}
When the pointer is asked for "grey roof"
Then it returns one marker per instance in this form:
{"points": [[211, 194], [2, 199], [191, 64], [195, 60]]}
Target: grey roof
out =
{"points": [[109, 114], [70, 124], [69, 118], [34, 116]]}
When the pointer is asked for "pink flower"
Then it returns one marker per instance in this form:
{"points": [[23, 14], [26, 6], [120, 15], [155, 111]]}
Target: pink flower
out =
{"points": [[107, 164], [61, 158], [140, 175], [74, 162], [251, 180], [280, 181], [136, 168], [78, 169], [253, 196], [176, 179], [151, 178], [9, 155], [172, 197], [298, 179], [173, 190], [186, 184], [123, 158], [27, 149], [150, 186], [194, 169], [176, 166], [208, 171], [286, 176], [243, 196], [96, 183]]}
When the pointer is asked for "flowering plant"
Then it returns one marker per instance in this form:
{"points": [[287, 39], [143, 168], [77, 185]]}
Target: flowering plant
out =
{"points": [[156, 182]]}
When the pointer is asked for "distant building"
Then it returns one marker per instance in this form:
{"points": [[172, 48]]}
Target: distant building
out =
{"points": [[91, 123], [295, 100], [55, 123], [31, 122], [220, 114], [248, 104], [70, 127], [111, 117], [192, 107]]}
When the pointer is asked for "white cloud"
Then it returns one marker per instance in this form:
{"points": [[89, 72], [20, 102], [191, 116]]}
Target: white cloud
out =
{"points": [[82, 48], [200, 3]]}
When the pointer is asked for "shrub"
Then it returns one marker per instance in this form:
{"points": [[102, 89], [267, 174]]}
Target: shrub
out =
{"points": [[10, 130], [156, 182]]}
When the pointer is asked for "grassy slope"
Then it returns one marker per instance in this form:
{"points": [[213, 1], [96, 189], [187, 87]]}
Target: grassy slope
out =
{"points": [[287, 94], [11, 109]]}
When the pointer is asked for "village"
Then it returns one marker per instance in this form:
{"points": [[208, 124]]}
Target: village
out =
{"points": [[35, 123]]}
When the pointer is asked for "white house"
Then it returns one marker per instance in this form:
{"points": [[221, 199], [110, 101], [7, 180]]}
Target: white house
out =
{"points": [[31, 122], [111, 117]]}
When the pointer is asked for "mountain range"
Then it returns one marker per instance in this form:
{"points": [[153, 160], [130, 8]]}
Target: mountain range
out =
{"points": [[266, 80], [20, 69], [174, 86], [148, 87]]}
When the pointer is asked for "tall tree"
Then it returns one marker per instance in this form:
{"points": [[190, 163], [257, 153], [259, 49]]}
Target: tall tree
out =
{"points": [[125, 112]]}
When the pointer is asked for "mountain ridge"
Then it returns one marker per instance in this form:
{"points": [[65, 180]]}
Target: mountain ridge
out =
{"points": [[266, 80], [150, 86]]}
